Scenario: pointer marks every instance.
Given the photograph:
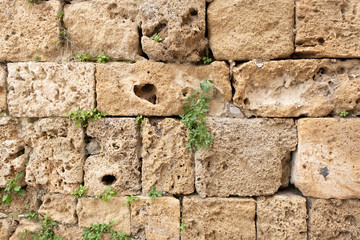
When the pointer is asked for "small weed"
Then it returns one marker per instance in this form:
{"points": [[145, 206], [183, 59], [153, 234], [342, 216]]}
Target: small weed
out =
{"points": [[95, 231], [63, 34], [82, 117], [130, 199], [207, 60], [11, 188], [61, 16], [156, 38], [344, 114], [83, 57], [46, 232], [79, 193], [182, 226], [37, 57], [34, 1], [107, 194], [154, 193], [32, 215], [139, 121], [102, 58]]}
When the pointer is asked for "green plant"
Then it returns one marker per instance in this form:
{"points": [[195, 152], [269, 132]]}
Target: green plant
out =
{"points": [[194, 117], [34, 1], [182, 226], [63, 33], [207, 60], [344, 113], [60, 16], [46, 232], [37, 57], [83, 57], [130, 199], [95, 231], [102, 58], [156, 37], [107, 194], [79, 193], [139, 121], [154, 193], [12, 187], [32, 215], [82, 117]]}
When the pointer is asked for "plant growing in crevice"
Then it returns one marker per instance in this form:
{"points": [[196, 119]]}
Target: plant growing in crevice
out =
{"points": [[32, 215], [46, 232], [344, 113], [156, 37], [95, 231], [153, 194], [83, 57], [37, 57], [107, 194], [182, 227], [82, 117], [130, 199], [207, 60], [102, 58], [11, 188], [34, 1], [139, 121], [79, 193], [63, 33]]}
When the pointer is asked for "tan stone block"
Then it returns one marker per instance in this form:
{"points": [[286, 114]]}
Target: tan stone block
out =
{"points": [[24, 230], [115, 159], [167, 162], [327, 161], [326, 28], [245, 29], [282, 216], [49, 89], [29, 29], [22, 203], [218, 218], [157, 219], [293, 88], [100, 25], [4, 229], [334, 219], [2, 90], [158, 89], [69, 232], [246, 157], [181, 25]]}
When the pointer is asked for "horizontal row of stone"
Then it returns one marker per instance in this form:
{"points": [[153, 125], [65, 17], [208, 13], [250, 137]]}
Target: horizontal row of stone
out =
{"points": [[282, 216], [288, 88], [237, 29]]}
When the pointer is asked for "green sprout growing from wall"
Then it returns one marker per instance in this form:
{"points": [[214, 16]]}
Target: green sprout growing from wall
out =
{"points": [[82, 117]]}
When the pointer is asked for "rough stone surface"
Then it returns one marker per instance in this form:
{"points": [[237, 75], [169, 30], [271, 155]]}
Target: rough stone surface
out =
{"points": [[282, 216], [96, 211], [245, 162], [245, 29], [327, 161], [31, 228], [218, 218], [29, 29], [334, 219], [293, 88], [116, 160], [326, 28], [156, 219], [158, 89], [69, 232], [4, 229], [181, 25], [49, 89], [2, 90], [22, 203], [56, 155], [100, 25], [167, 162]]}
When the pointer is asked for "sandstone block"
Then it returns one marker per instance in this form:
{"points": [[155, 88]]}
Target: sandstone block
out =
{"points": [[116, 161], [4, 229], [293, 88], [2, 90], [158, 89], [22, 203], [327, 160], [181, 25], [49, 89], [69, 232], [245, 29], [167, 162], [99, 25], [334, 219], [282, 216], [156, 219], [326, 28], [20, 233], [218, 218], [246, 157], [29, 29]]}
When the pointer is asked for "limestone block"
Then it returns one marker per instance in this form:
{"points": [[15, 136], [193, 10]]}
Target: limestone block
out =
{"points": [[326, 28], [245, 29], [69, 232], [282, 216], [334, 219], [96, 211], [100, 25], [181, 25], [157, 219], [327, 161], [56, 155], [167, 162], [49, 89], [218, 218], [22, 203], [4, 229], [20, 233], [116, 162], [246, 157], [2, 90], [157, 89], [29, 29], [293, 88]]}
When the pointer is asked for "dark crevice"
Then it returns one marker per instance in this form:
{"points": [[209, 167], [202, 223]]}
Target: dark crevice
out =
{"points": [[143, 54]]}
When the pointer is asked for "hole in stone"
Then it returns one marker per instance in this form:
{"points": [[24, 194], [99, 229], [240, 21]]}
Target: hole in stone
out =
{"points": [[321, 40], [193, 12], [341, 70], [108, 179], [322, 71], [146, 92], [246, 101]]}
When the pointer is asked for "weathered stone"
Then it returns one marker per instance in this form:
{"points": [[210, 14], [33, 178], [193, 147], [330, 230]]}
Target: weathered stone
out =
{"points": [[155, 219], [4, 229], [334, 219], [167, 162], [22, 203], [158, 89], [181, 25], [29, 29], [61, 207], [56, 155], [49, 89], [96, 211], [246, 157], [2, 90], [69, 232], [282, 216], [218, 218], [245, 29], [21, 233], [327, 164], [327, 28], [293, 88], [100, 25], [116, 161]]}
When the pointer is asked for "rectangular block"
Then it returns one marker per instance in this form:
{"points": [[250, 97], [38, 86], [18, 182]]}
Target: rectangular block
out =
{"points": [[22, 203], [61, 207], [2, 89], [4, 229], [69, 232]]}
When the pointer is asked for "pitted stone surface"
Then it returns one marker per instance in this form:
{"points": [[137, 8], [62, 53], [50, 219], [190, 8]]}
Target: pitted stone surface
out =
{"points": [[327, 160], [22, 203], [69, 232], [244, 29], [246, 157], [157, 89], [4, 229], [167, 162], [49, 89], [2, 90], [31, 228], [293, 88]]}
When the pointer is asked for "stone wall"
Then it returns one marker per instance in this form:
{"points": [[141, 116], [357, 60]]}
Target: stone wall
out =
{"points": [[283, 164]]}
